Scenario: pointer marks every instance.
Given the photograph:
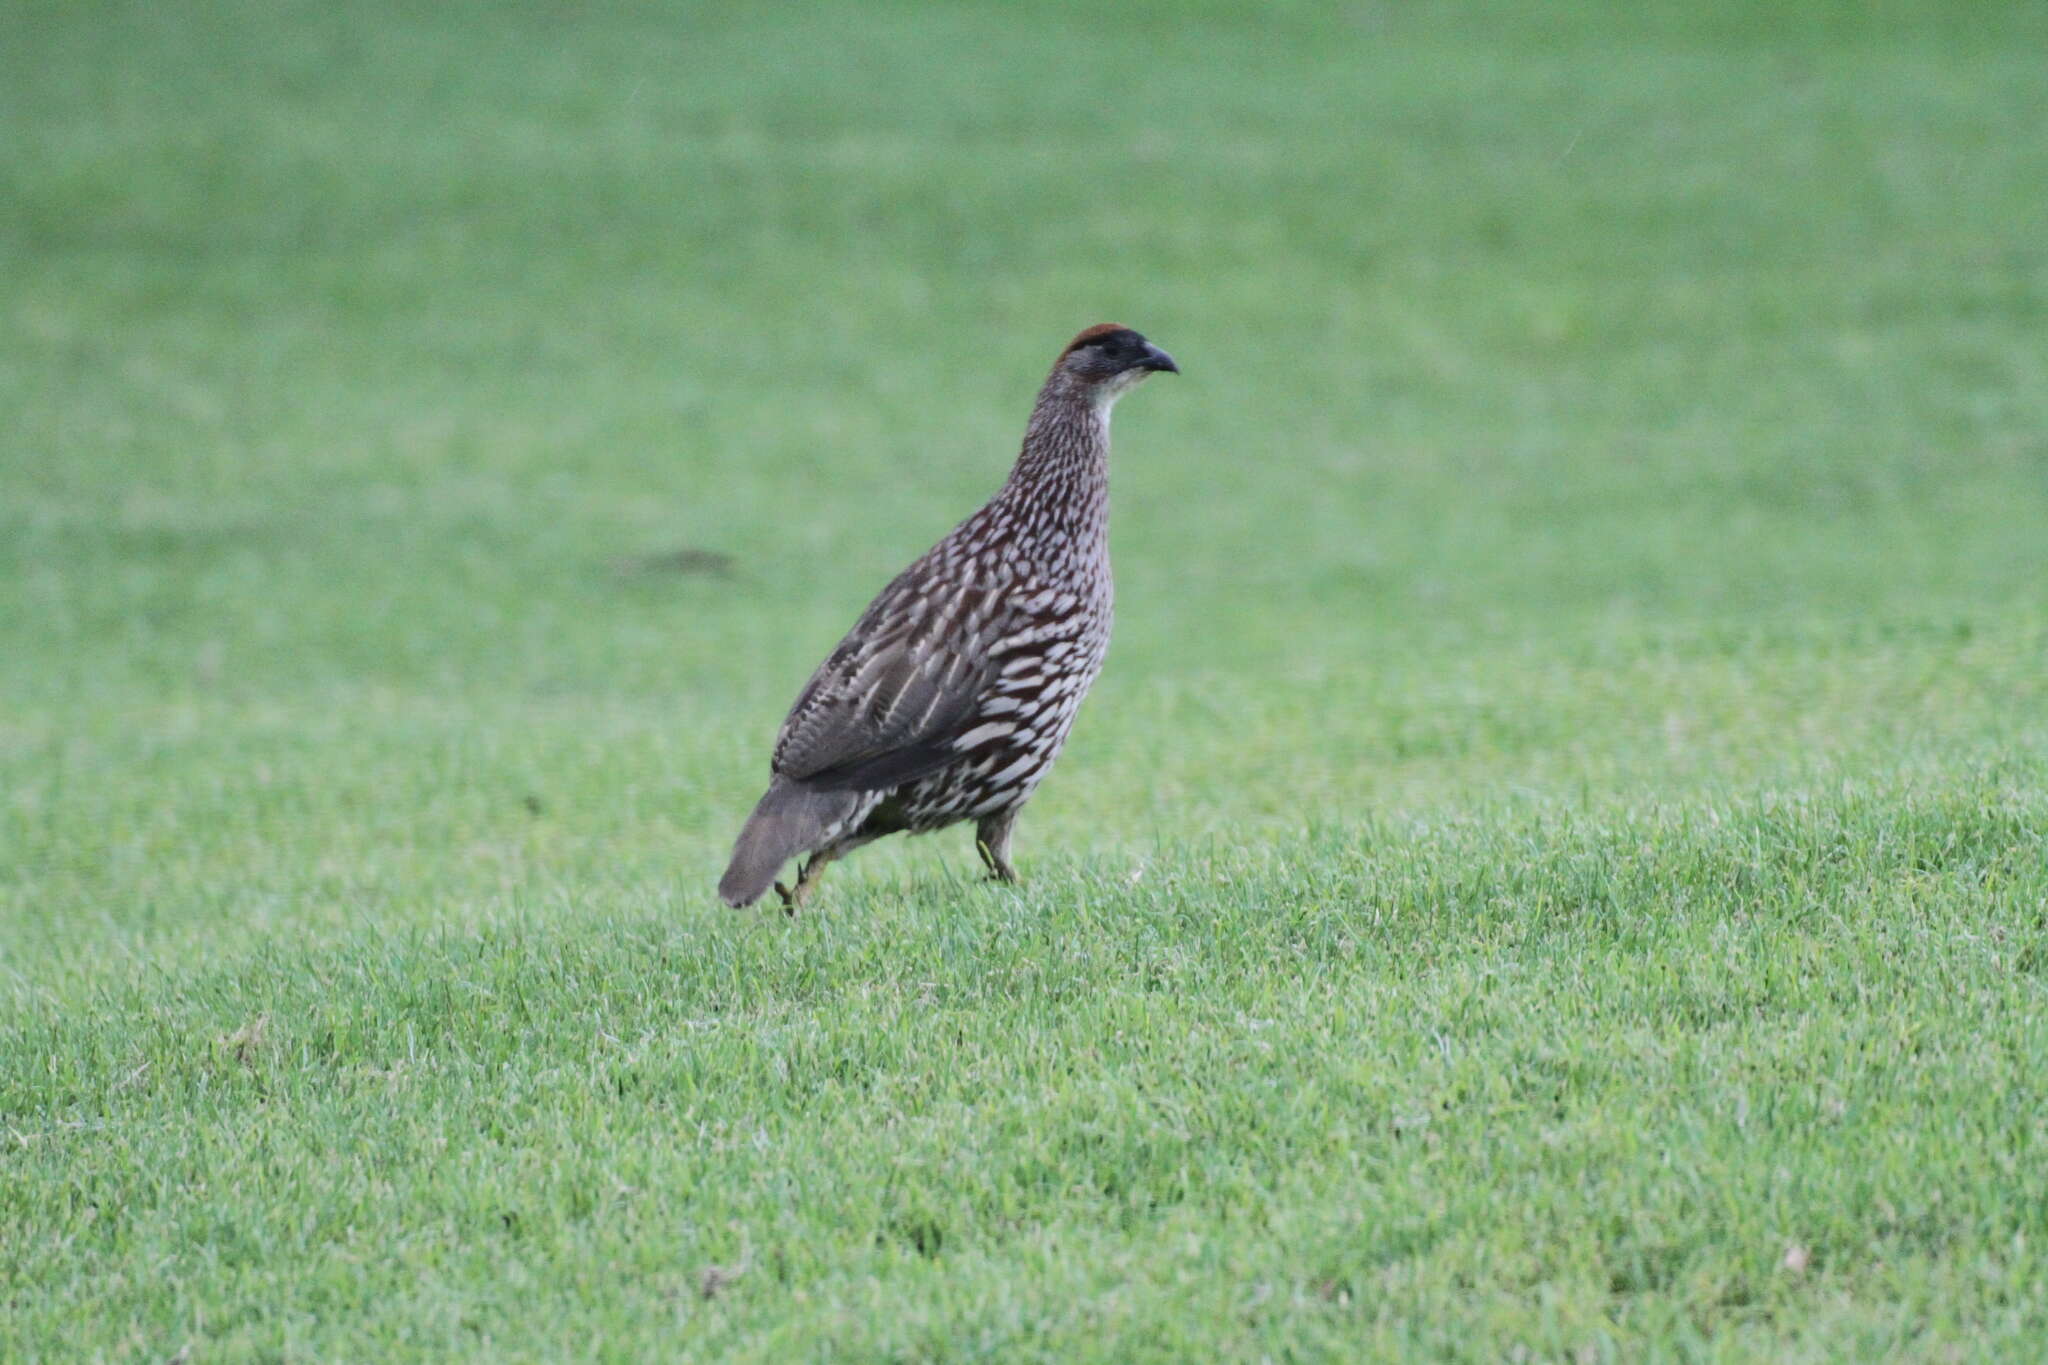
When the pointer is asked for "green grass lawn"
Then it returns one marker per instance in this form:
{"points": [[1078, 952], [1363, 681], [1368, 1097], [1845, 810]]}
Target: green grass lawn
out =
{"points": [[1555, 869]]}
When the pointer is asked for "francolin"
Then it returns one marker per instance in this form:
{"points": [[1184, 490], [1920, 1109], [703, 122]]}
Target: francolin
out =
{"points": [[953, 693]]}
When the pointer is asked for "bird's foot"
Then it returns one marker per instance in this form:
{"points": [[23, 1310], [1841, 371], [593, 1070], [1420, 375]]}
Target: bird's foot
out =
{"points": [[999, 869], [807, 875]]}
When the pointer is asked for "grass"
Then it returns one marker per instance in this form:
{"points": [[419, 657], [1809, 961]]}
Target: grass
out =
{"points": [[1555, 867]]}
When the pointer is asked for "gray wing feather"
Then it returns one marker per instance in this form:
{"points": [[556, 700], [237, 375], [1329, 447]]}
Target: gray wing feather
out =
{"points": [[885, 705]]}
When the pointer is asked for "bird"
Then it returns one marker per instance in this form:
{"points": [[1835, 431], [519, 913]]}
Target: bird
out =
{"points": [[955, 690]]}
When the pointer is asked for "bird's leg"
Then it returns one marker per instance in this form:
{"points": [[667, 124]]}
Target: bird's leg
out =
{"points": [[806, 878], [992, 842]]}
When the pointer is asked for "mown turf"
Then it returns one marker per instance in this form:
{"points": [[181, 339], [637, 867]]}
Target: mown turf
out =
{"points": [[1555, 867]]}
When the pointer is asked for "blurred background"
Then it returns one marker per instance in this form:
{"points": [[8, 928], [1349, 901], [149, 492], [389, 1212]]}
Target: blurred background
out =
{"points": [[436, 440]]}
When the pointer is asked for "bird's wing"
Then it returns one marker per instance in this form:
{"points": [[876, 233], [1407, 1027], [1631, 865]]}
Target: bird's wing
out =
{"points": [[908, 679]]}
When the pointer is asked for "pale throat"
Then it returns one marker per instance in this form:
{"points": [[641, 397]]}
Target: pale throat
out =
{"points": [[1103, 397]]}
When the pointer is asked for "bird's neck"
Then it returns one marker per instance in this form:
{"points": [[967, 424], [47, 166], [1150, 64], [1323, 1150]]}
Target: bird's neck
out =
{"points": [[1061, 478]]}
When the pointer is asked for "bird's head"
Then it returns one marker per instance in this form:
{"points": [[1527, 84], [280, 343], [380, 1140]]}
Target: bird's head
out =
{"points": [[1110, 360]]}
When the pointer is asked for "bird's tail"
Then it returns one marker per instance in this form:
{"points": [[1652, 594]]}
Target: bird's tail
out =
{"points": [[789, 820]]}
